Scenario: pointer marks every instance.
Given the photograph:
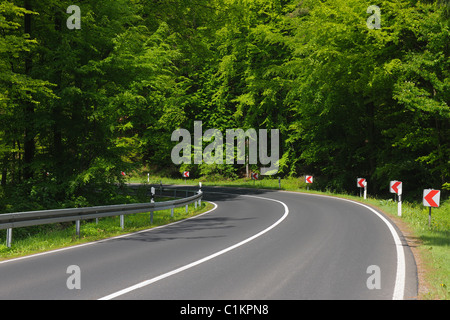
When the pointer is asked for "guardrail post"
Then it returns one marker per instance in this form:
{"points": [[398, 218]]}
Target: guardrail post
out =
{"points": [[186, 208], [77, 227], [122, 221], [8, 237], [171, 212]]}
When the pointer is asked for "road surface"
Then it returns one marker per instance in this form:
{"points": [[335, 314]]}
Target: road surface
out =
{"points": [[255, 244]]}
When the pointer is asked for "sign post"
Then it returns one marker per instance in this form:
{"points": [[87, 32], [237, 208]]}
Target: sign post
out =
{"points": [[152, 200], [362, 183], [254, 177], [308, 180], [185, 175], [199, 191], [431, 199], [397, 188]]}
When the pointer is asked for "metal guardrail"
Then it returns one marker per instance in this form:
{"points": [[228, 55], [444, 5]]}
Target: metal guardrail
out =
{"points": [[9, 221]]}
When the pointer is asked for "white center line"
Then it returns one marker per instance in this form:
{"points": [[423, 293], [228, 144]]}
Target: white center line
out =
{"points": [[196, 263]]}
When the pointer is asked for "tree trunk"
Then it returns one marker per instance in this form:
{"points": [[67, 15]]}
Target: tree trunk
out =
{"points": [[29, 143]]}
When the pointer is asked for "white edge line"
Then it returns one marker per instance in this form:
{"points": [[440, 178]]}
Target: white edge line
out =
{"points": [[195, 263], [107, 239], [399, 288]]}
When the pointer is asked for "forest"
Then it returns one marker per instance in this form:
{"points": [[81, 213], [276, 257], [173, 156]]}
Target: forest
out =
{"points": [[87, 95]]}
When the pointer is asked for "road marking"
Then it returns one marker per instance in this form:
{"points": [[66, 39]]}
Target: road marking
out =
{"points": [[196, 263], [107, 239], [399, 287]]}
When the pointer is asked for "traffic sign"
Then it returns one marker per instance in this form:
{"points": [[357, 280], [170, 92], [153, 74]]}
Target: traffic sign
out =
{"points": [[396, 187], [186, 174], [431, 198], [361, 182], [123, 173], [254, 176], [309, 179]]}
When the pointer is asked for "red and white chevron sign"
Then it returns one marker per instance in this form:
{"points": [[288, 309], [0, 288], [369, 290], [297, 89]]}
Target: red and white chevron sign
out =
{"points": [[309, 179], [361, 182], [396, 187], [186, 174], [254, 176], [431, 198]]}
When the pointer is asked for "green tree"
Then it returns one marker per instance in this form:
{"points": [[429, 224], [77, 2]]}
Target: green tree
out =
{"points": [[20, 92], [348, 91]]}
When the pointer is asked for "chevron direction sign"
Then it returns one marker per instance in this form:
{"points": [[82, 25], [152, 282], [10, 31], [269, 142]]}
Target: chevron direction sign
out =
{"points": [[309, 179], [431, 198], [396, 187], [361, 182]]}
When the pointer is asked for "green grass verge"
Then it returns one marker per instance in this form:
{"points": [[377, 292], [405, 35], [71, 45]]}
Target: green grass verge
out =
{"points": [[433, 243], [57, 236]]}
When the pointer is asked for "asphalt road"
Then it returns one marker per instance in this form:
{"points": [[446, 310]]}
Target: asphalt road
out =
{"points": [[256, 244]]}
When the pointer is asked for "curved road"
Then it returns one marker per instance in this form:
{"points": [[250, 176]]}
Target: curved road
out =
{"points": [[256, 244]]}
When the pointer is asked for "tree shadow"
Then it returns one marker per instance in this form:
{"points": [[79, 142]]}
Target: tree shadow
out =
{"points": [[436, 238], [185, 230]]}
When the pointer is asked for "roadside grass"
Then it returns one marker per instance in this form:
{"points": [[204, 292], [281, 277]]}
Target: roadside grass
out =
{"points": [[433, 243], [57, 236]]}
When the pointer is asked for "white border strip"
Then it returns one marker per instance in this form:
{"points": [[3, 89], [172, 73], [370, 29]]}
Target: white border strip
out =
{"points": [[107, 239], [195, 263], [399, 288]]}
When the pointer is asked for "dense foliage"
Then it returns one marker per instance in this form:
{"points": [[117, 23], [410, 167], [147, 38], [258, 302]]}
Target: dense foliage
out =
{"points": [[79, 106]]}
